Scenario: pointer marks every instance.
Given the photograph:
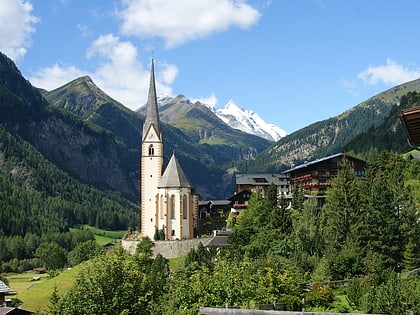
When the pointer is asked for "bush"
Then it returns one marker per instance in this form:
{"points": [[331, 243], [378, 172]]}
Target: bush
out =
{"points": [[319, 296]]}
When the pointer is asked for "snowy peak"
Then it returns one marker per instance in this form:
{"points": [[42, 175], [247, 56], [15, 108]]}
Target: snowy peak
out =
{"points": [[244, 120], [250, 122]]}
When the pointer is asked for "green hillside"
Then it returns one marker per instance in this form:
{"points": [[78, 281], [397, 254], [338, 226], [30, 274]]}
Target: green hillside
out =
{"points": [[390, 135]]}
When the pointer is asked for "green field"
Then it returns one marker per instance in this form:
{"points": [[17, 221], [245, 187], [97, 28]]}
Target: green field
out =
{"points": [[35, 295], [102, 236]]}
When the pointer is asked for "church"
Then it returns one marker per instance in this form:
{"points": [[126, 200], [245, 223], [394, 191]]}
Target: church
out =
{"points": [[169, 206]]}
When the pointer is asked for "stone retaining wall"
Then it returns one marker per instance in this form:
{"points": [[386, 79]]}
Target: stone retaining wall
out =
{"points": [[168, 249]]}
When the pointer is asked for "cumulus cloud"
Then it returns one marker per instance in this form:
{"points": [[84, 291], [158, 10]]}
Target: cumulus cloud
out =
{"points": [[211, 100], [178, 21], [16, 27], [56, 75], [390, 73], [120, 73]]}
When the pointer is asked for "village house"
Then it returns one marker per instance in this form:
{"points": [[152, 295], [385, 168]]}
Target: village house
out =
{"points": [[239, 201], [315, 177], [4, 309], [261, 183]]}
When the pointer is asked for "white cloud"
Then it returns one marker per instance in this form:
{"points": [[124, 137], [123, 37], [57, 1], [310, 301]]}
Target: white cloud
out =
{"points": [[54, 76], [16, 27], [210, 100], [178, 21], [120, 73], [390, 73]]}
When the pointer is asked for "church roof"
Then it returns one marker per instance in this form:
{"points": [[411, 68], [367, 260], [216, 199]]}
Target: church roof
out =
{"points": [[174, 176], [152, 114]]}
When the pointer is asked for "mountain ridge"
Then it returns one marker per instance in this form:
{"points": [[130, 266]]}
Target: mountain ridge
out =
{"points": [[200, 140], [330, 136], [250, 122]]}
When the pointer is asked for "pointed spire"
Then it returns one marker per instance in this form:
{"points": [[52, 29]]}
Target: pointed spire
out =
{"points": [[152, 114], [174, 176]]}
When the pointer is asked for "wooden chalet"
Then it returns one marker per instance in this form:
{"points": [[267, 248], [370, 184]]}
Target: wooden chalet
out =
{"points": [[239, 201], [411, 122], [315, 176]]}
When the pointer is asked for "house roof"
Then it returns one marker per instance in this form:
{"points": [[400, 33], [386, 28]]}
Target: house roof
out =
{"points": [[260, 179], [221, 202], [330, 157], [411, 121], [152, 114], [415, 156], [219, 239], [174, 176], [13, 311], [4, 288]]}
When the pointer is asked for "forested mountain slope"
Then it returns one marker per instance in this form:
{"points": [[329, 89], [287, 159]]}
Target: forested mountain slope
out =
{"points": [[390, 135], [199, 138], [38, 196], [331, 135]]}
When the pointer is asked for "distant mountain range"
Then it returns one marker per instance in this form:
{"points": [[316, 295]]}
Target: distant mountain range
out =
{"points": [[231, 114], [96, 139]]}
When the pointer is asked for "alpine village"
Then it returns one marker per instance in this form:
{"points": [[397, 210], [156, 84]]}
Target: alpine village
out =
{"points": [[169, 210]]}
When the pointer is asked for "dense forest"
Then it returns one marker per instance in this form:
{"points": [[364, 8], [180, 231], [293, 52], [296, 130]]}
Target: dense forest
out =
{"points": [[281, 255], [40, 202], [390, 135]]}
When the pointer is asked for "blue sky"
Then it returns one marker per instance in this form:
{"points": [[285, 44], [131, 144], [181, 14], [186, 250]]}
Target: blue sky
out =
{"points": [[294, 62]]}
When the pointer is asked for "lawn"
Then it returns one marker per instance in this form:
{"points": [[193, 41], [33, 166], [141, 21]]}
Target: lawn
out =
{"points": [[35, 295], [102, 236]]}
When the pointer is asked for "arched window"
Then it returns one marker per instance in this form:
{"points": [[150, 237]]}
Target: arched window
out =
{"points": [[172, 206], [151, 150], [184, 207]]}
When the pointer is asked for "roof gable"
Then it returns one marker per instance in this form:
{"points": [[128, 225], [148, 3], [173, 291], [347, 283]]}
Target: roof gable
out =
{"points": [[174, 176]]}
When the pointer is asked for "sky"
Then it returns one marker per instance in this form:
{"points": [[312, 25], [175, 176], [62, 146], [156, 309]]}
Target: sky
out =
{"points": [[293, 62]]}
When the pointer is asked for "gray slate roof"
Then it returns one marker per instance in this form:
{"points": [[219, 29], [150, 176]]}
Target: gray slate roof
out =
{"points": [[152, 114], [260, 179], [174, 176], [4, 288]]}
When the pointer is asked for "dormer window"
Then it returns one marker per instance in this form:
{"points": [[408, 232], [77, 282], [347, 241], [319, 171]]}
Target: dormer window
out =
{"points": [[151, 150]]}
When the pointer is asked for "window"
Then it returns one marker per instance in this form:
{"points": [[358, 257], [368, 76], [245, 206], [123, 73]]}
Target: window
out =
{"points": [[184, 207], [161, 206], [172, 207], [151, 150]]}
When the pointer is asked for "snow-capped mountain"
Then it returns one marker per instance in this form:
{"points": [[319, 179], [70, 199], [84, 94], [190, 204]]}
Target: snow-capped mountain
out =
{"points": [[241, 119], [248, 121]]}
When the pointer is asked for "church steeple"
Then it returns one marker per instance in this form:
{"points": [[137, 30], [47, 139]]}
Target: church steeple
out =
{"points": [[152, 114]]}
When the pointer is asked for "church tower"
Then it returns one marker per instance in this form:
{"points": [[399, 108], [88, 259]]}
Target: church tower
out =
{"points": [[169, 206], [151, 162]]}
